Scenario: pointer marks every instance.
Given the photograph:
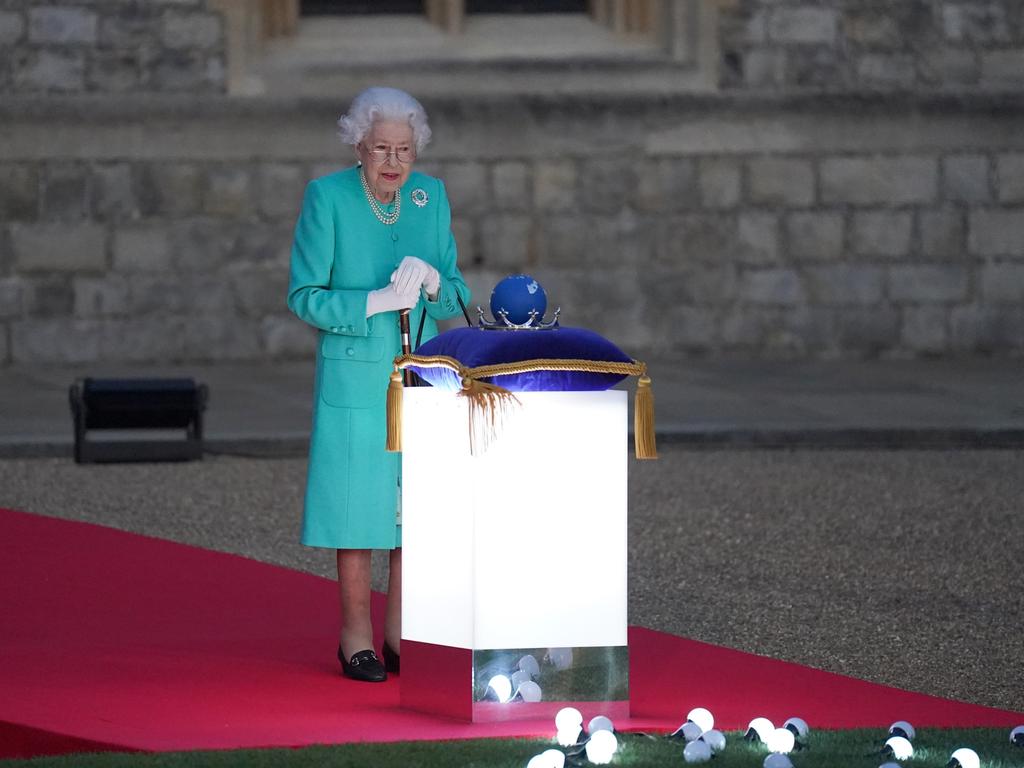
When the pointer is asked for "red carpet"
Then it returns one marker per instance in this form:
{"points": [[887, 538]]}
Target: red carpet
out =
{"points": [[114, 641]]}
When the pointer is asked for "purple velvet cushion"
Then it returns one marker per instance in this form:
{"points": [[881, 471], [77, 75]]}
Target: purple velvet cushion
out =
{"points": [[474, 347]]}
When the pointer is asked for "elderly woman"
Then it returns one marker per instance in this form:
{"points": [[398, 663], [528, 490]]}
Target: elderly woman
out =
{"points": [[371, 240]]}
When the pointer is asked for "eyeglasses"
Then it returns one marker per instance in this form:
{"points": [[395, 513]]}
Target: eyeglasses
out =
{"points": [[402, 155]]}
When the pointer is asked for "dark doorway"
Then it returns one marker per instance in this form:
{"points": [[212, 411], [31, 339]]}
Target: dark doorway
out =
{"points": [[344, 7], [526, 6]]}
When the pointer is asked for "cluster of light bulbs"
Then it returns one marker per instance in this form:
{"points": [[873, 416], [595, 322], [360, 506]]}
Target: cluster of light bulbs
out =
{"points": [[900, 746], [520, 683], [600, 744]]}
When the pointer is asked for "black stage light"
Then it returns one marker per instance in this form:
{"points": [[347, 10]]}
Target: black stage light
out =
{"points": [[157, 410]]}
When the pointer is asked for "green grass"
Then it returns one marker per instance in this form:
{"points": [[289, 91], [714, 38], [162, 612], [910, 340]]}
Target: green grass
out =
{"points": [[825, 749]]}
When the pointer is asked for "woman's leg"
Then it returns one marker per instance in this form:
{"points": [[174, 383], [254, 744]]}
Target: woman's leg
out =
{"points": [[354, 591], [393, 621]]}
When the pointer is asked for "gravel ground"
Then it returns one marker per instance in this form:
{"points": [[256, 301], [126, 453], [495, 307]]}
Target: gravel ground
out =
{"points": [[901, 567]]}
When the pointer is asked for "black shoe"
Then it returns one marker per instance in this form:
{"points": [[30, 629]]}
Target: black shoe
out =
{"points": [[364, 666], [392, 660]]}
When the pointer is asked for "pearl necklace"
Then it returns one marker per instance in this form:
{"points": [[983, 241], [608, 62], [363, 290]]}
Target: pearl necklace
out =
{"points": [[382, 216]]}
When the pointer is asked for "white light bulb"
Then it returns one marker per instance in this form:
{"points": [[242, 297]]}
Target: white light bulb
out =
{"points": [[546, 760], [890, 765], [568, 717], [502, 687], [762, 726], [600, 723], [690, 731], [556, 758], [902, 728], [1017, 736], [781, 740], [901, 748], [703, 718], [601, 747], [566, 737], [798, 726], [561, 658], [529, 665], [530, 692], [519, 677], [967, 758], [714, 739], [697, 752], [776, 760]]}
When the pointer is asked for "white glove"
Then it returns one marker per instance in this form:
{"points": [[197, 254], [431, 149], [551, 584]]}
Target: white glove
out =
{"points": [[388, 299], [413, 273]]}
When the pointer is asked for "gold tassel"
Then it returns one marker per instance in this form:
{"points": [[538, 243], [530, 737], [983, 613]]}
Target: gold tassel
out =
{"points": [[394, 439], [487, 403], [643, 420]]}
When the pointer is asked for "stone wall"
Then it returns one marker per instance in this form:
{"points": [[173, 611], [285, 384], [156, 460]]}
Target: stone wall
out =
{"points": [[159, 229], [110, 46], [874, 44]]}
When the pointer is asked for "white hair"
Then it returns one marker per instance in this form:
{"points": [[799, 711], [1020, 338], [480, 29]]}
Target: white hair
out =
{"points": [[383, 104]]}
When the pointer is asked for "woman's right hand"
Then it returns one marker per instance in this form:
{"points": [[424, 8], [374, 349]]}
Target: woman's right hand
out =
{"points": [[388, 299]]}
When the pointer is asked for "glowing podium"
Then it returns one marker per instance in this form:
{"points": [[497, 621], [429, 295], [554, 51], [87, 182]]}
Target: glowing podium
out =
{"points": [[514, 561]]}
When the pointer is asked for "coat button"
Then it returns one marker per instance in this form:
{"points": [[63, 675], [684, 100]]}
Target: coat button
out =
{"points": [[350, 351]]}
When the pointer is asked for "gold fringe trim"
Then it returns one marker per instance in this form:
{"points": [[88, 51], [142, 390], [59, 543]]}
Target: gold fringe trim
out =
{"points": [[489, 402]]}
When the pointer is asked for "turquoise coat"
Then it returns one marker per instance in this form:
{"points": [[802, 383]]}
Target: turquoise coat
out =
{"points": [[341, 253]]}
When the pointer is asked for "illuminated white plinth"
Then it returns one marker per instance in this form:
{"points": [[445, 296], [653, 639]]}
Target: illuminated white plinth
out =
{"points": [[522, 548]]}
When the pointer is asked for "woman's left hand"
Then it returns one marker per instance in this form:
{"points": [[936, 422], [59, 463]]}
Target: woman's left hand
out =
{"points": [[413, 273]]}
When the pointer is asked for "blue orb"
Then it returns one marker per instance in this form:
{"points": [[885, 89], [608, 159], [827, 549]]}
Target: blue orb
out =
{"points": [[517, 295]]}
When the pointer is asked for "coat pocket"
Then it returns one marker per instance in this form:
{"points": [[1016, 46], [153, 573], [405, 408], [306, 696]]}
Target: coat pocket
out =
{"points": [[352, 375]]}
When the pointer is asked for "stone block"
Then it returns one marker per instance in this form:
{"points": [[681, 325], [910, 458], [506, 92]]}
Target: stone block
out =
{"points": [[803, 24], [282, 186], [781, 181], [154, 339], [184, 70], [996, 232], [62, 25], [868, 28], [977, 329], [1010, 176], [468, 187], [113, 191], [817, 67], [155, 293], [975, 21], [59, 247], [943, 233], [966, 179], [254, 242], [114, 71], [100, 296], [12, 27], [229, 192], [510, 183], [764, 68], [220, 337], [12, 292], [191, 30], [65, 192], [607, 184], [881, 233], [142, 248], [772, 286], [19, 191], [1003, 283], [814, 236], [757, 238], [845, 284], [924, 283], [48, 295], [866, 331], [285, 336], [128, 27], [886, 70], [949, 66], [746, 328], [171, 189], [708, 285], [258, 292], [689, 239], [887, 181], [667, 184], [203, 244], [507, 242], [50, 70], [55, 340], [1003, 68], [720, 181], [464, 230], [925, 329], [555, 185]]}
